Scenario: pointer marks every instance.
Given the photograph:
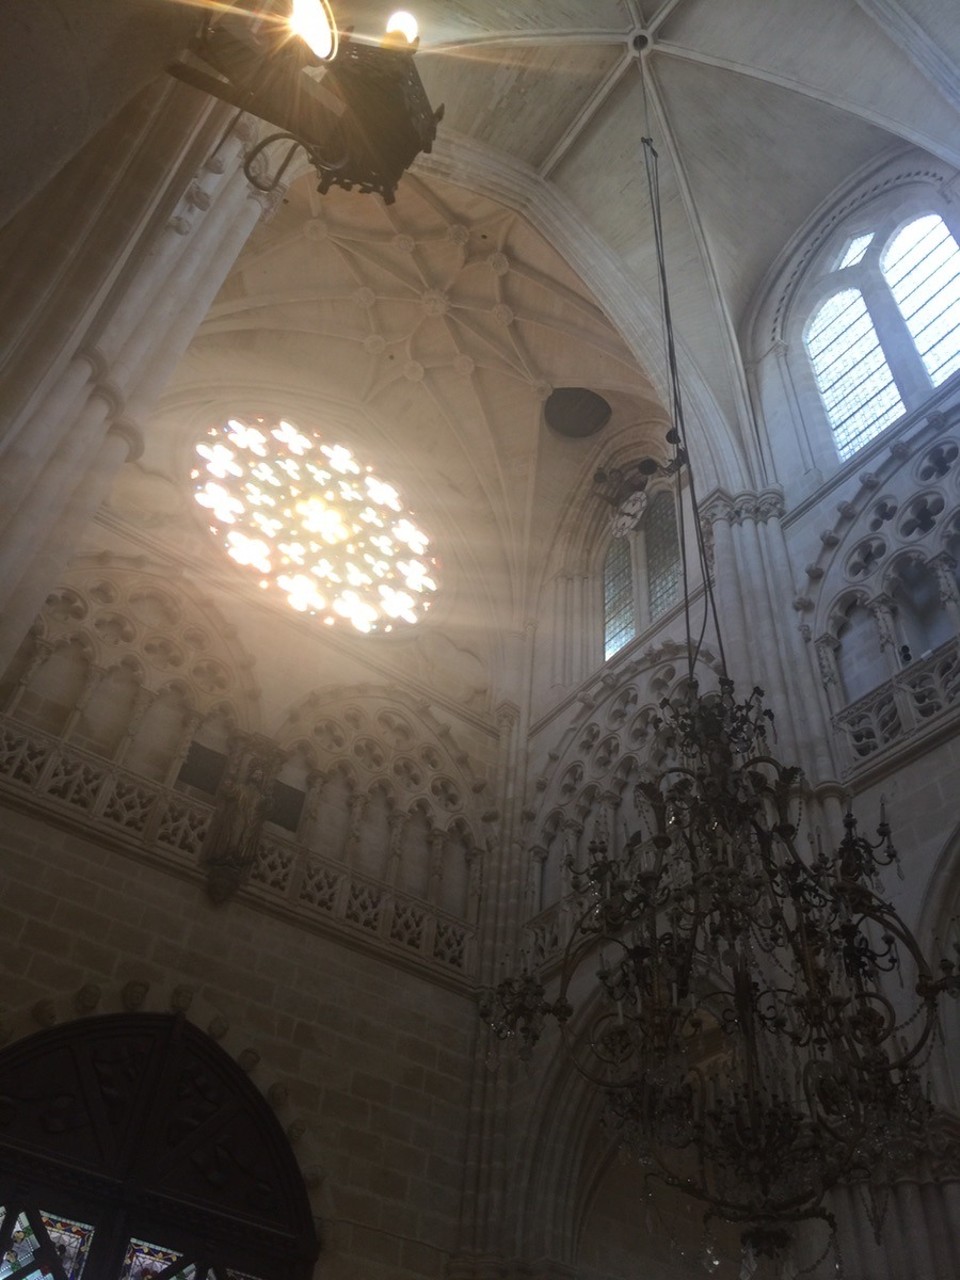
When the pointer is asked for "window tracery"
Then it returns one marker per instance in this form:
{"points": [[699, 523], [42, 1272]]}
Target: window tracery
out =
{"points": [[889, 640], [854, 379], [138, 1087], [884, 330], [641, 573], [314, 524], [921, 265], [891, 236]]}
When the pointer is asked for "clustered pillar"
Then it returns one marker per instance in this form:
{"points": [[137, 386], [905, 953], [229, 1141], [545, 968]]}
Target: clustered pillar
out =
{"points": [[152, 274]]}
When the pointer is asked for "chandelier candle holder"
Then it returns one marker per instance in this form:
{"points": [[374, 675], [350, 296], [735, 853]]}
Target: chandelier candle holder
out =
{"points": [[742, 1029]]}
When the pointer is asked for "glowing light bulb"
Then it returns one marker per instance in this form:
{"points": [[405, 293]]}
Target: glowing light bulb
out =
{"points": [[404, 24], [313, 22]]}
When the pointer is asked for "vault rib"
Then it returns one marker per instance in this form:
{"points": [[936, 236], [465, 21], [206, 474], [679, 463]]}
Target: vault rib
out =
{"points": [[731, 350], [586, 113], [876, 118]]}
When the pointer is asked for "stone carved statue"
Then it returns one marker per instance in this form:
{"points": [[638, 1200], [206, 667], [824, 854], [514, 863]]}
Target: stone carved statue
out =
{"points": [[234, 835]]}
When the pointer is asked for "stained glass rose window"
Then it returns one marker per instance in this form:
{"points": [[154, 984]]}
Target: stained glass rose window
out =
{"points": [[315, 524]]}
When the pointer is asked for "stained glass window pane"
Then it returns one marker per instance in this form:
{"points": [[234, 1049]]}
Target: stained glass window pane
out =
{"points": [[853, 377], [922, 267], [854, 251], [314, 525], [663, 554], [22, 1250], [619, 622], [70, 1241], [143, 1260]]}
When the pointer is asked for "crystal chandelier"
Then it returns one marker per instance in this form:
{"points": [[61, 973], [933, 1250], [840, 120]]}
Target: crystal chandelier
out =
{"points": [[753, 1012]]}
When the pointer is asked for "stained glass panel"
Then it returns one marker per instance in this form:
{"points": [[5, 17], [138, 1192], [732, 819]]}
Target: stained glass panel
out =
{"points": [[143, 1260], [663, 554], [23, 1250], [313, 524], [853, 377], [619, 623], [922, 267], [70, 1241], [854, 251]]}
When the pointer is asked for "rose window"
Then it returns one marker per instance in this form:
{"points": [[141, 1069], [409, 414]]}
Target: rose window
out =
{"points": [[315, 524]]}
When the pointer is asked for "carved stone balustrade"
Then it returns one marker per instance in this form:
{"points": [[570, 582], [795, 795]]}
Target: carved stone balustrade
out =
{"points": [[922, 695], [103, 801]]}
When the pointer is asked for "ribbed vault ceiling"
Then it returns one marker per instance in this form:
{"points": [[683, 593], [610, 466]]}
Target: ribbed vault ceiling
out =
{"points": [[437, 326]]}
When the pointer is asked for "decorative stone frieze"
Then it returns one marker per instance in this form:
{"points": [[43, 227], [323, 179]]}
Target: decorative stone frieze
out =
{"points": [[162, 825]]}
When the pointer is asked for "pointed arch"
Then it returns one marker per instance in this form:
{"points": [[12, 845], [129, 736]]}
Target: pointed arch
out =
{"points": [[921, 265], [140, 1128]]}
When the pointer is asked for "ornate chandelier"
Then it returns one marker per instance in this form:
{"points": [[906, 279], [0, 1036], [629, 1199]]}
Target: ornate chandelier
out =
{"points": [[760, 1014], [741, 1028]]}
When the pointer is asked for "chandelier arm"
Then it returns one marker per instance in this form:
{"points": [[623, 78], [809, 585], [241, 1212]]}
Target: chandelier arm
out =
{"points": [[252, 155], [794, 1210], [927, 987]]}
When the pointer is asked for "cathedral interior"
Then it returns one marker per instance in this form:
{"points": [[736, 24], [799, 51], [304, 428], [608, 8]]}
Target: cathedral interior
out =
{"points": [[284, 787]]}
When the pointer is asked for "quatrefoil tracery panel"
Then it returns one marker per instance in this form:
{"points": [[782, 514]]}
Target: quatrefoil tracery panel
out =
{"points": [[362, 749], [919, 510], [122, 615], [586, 792]]}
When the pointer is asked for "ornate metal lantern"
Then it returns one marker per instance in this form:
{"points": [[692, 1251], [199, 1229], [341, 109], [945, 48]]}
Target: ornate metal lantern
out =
{"points": [[357, 108]]}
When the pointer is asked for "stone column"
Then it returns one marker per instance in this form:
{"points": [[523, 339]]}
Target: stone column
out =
{"points": [[42, 650], [538, 858], [142, 702], [475, 884], [68, 68], [396, 822], [945, 567], [190, 727], [882, 611], [351, 845], [754, 596], [436, 841], [91, 682], [67, 468], [718, 514]]}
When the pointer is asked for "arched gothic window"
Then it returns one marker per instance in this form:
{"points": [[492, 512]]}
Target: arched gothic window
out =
{"points": [[885, 331], [133, 1148], [641, 574], [853, 377], [921, 265], [619, 603]]}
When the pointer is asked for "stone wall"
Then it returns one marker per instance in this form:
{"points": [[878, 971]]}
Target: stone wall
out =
{"points": [[366, 1065]]}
